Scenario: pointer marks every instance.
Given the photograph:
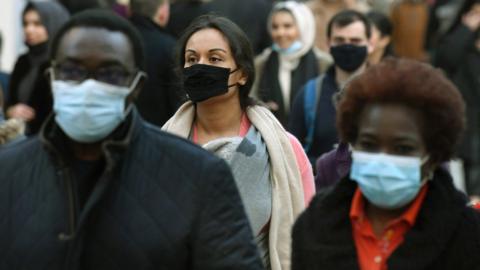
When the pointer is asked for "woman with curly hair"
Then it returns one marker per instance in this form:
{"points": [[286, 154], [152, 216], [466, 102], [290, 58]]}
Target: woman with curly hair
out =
{"points": [[398, 208]]}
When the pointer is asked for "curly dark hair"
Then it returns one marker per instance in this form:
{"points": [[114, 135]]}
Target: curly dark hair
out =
{"points": [[413, 84]]}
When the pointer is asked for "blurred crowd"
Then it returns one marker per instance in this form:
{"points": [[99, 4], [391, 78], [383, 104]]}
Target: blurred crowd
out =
{"points": [[291, 49], [353, 123]]}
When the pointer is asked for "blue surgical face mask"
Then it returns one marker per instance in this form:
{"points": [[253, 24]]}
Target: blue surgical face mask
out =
{"points": [[295, 47], [89, 111], [387, 181]]}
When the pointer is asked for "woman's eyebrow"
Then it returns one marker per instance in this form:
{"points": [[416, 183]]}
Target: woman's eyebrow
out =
{"points": [[217, 49]]}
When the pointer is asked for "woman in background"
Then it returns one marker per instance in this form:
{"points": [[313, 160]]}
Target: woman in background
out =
{"points": [[382, 30], [291, 61], [29, 97]]}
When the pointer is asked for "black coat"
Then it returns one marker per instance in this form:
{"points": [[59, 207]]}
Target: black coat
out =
{"points": [[324, 131], [161, 203], [269, 85], [250, 15], [160, 97], [446, 234], [40, 98], [458, 56]]}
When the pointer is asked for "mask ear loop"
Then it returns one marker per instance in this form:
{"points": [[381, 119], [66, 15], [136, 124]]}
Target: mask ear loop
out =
{"points": [[139, 75], [231, 72]]}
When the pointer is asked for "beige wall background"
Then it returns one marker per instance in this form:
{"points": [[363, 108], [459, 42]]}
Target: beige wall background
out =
{"points": [[11, 29]]}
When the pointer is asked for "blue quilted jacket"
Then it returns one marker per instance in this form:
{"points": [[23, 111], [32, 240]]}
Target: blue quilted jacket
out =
{"points": [[161, 203]]}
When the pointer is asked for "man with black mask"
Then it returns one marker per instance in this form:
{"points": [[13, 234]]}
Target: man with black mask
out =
{"points": [[313, 112]]}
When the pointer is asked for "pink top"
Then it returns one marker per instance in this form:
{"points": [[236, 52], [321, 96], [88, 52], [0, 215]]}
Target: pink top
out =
{"points": [[302, 161]]}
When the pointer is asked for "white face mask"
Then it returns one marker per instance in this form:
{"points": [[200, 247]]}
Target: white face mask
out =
{"points": [[89, 111]]}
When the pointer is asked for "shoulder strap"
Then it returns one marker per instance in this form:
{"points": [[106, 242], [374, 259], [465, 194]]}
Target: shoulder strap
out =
{"points": [[313, 90]]}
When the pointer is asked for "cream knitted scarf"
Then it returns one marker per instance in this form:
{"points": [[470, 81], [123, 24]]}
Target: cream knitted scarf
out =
{"points": [[287, 191]]}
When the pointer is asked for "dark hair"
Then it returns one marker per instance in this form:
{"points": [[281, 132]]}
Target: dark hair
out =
{"points": [[239, 45], [381, 22], [384, 25], [146, 8], [101, 18], [346, 17], [413, 84]]}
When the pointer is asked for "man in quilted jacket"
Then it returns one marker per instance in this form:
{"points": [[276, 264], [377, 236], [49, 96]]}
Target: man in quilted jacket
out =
{"points": [[99, 188]]}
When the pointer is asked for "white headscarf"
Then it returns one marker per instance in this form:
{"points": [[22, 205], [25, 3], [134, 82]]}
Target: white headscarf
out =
{"points": [[305, 23], [288, 62]]}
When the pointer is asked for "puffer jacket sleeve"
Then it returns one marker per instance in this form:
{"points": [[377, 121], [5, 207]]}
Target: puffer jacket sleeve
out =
{"points": [[222, 237]]}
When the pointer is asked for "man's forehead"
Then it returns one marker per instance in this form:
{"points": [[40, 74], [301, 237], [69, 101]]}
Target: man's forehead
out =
{"points": [[355, 29], [92, 42]]}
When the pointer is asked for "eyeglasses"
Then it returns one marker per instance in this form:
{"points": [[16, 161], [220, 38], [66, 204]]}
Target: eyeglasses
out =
{"points": [[115, 75]]}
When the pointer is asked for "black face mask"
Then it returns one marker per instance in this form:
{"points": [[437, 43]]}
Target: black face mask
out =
{"points": [[202, 82], [349, 57]]}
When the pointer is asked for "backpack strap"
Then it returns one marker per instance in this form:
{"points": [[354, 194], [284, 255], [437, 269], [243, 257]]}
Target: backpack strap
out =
{"points": [[313, 90]]}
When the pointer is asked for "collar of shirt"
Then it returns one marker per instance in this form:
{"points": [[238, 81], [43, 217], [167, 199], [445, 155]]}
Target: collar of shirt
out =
{"points": [[372, 251], [358, 216]]}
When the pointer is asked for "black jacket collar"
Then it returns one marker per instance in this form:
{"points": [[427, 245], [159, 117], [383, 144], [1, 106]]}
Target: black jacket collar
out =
{"points": [[328, 220], [56, 141]]}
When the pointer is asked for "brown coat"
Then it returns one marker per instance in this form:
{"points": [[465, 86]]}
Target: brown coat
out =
{"points": [[410, 19]]}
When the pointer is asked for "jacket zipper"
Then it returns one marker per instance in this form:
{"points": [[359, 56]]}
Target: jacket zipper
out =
{"points": [[70, 234]]}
